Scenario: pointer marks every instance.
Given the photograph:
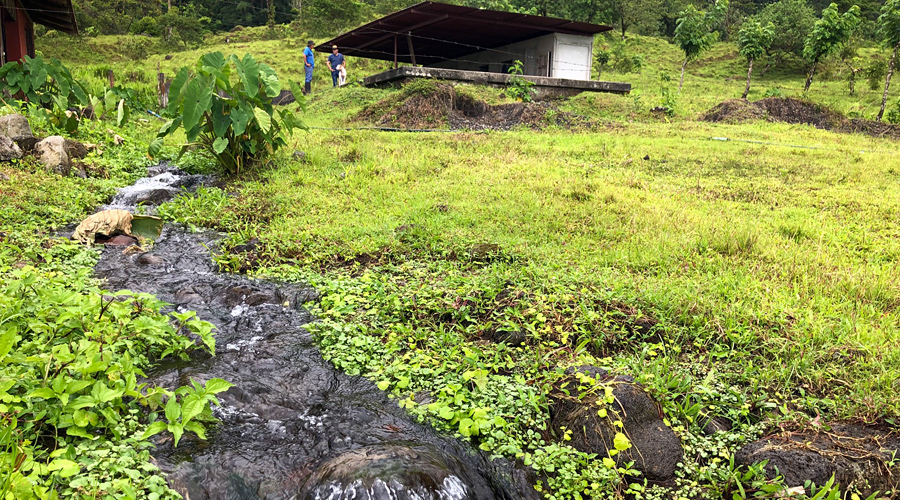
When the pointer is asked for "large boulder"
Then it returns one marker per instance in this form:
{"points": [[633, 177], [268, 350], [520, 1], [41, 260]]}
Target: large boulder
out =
{"points": [[655, 449], [858, 457], [9, 150], [15, 126], [51, 152]]}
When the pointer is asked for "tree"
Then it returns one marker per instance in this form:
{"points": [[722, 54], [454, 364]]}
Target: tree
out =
{"points": [[754, 40], [889, 32], [849, 55], [828, 35], [692, 32], [793, 20]]}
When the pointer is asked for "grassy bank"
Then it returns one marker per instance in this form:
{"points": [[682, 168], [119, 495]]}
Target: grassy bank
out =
{"points": [[750, 282]]}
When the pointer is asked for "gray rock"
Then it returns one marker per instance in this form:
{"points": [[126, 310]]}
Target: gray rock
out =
{"points": [[510, 337], [856, 455], [3, 177], [51, 152], [150, 259], [9, 150], [655, 449], [15, 127]]}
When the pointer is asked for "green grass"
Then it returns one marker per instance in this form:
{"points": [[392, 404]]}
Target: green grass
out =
{"points": [[765, 264], [769, 268]]}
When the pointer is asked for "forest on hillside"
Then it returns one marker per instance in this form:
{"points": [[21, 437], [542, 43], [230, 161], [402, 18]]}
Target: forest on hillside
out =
{"points": [[326, 17]]}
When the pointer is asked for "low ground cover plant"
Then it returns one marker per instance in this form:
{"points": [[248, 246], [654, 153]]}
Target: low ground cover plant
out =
{"points": [[75, 419]]}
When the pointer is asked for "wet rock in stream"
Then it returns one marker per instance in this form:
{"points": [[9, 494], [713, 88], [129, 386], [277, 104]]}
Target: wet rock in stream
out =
{"points": [[292, 425]]}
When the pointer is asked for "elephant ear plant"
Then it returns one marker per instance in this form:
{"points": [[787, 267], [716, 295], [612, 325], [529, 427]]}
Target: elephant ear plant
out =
{"points": [[225, 107]]}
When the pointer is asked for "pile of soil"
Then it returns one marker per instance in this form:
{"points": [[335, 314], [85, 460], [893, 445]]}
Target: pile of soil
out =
{"points": [[444, 107], [776, 109]]}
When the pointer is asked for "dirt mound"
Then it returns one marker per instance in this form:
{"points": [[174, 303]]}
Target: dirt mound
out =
{"points": [[438, 105], [787, 110], [734, 111]]}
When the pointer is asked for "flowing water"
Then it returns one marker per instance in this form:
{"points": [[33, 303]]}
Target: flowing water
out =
{"points": [[293, 427]]}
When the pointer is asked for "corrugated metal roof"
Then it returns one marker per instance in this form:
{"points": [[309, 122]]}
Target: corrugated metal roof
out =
{"points": [[54, 14], [439, 32]]}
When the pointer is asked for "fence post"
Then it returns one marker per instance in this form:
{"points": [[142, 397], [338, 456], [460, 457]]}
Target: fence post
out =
{"points": [[162, 88], [112, 78]]}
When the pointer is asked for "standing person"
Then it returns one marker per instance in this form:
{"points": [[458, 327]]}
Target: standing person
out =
{"points": [[310, 62], [335, 65]]}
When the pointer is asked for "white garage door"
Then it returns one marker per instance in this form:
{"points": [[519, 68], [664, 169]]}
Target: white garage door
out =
{"points": [[572, 61]]}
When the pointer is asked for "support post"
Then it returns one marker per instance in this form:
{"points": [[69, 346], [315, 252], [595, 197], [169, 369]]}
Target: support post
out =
{"points": [[412, 54], [112, 78], [395, 51]]}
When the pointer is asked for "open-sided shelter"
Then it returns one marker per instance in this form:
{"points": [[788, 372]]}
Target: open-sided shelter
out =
{"points": [[466, 41]]}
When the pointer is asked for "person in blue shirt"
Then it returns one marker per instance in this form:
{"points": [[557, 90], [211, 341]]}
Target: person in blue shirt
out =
{"points": [[335, 65], [310, 63]]}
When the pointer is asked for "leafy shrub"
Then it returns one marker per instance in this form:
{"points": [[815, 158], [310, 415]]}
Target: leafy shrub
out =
{"points": [[773, 92], [893, 114], [70, 361], [136, 48], [234, 123], [519, 88], [47, 85], [875, 73], [146, 24]]}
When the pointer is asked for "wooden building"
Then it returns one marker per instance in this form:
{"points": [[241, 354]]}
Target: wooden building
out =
{"points": [[17, 18]]}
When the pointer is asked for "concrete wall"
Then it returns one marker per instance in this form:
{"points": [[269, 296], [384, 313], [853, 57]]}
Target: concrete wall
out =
{"points": [[555, 55]]}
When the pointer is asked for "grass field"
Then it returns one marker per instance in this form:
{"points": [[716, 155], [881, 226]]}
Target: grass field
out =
{"points": [[766, 266]]}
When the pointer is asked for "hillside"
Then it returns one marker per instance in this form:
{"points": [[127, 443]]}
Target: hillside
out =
{"points": [[718, 75]]}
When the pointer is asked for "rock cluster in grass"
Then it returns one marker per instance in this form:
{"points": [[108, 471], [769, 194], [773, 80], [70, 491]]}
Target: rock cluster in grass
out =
{"points": [[57, 154], [860, 458], [655, 449]]}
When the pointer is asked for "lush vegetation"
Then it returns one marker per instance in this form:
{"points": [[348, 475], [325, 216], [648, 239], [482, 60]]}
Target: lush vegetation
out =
{"points": [[76, 421], [234, 123], [747, 261], [754, 284]]}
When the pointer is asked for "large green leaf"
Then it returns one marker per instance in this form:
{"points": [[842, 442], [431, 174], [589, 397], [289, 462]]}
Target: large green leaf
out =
{"points": [[221, 121], [217, 385], [177, 87], [155, 147], [269, 80], [197, 100], [220, 144], [250, 75], [240, 117], [7, 340], [263, 119], [212, 61]]}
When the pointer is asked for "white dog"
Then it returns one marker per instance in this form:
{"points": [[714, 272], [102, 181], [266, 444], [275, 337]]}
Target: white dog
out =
{"points": [[342, 76]]}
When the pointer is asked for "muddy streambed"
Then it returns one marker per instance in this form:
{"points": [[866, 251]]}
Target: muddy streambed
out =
{"points": [[292, 427]]}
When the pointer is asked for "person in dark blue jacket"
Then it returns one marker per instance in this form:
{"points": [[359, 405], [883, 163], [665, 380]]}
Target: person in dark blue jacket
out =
{"points": [[310, 62], [335, 65]]}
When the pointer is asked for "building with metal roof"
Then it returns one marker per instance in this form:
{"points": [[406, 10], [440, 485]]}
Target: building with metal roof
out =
{"points": [[451, 41]]}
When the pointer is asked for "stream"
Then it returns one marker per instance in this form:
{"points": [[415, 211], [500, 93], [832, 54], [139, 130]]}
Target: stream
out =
{"points": [[293, 427]]}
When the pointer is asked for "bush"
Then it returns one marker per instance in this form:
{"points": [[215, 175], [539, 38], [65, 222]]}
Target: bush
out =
{"points": [[74, 413], [147, 25], [48, 86], [235, 124]]}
